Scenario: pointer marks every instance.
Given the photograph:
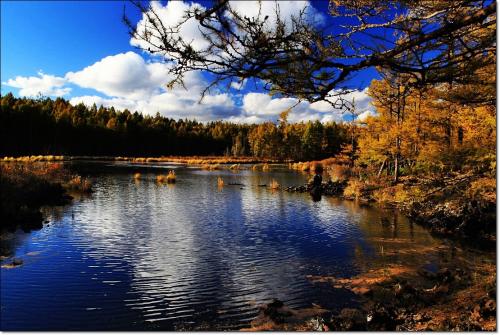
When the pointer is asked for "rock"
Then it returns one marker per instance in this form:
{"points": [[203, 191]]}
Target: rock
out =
{"points": [[381, 318], [489, 308], [275, 311], [17, 262]]}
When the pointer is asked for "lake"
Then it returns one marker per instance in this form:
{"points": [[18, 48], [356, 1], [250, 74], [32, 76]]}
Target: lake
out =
{"points": [[141, 255]]}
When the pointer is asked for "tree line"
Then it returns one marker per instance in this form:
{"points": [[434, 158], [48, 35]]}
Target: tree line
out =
{"points": [[45, 126]]}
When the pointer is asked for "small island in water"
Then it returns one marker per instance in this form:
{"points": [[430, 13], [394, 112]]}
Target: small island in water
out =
{"points": [[304, 203]]}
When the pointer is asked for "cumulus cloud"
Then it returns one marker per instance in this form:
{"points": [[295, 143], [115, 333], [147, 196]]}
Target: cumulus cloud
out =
{"points": [[127, 81], [286, 10], [170, 104], [125, 74], [44, 84], [130, 82], [173, 13], [259, 107], [363, 116]]}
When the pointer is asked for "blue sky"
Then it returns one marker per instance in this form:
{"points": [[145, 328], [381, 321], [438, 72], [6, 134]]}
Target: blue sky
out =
{"points": [[80, 50]]}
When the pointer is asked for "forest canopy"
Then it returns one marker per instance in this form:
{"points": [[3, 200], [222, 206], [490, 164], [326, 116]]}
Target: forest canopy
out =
{"points": [[46, 126]]}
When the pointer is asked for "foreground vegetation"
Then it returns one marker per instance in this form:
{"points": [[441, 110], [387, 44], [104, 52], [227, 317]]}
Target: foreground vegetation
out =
{"points": [[27, 187], [458, 295]]}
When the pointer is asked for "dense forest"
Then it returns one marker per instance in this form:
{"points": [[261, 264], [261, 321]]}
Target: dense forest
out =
{"points": [[46, 126]]}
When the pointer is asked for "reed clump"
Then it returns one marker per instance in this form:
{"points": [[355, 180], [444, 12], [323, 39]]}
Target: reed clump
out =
{"points": [[274, 185], [211, 167], [78, 183], [220, 182], [235, 167], [265, 167], [31, 159], [161, 178], [137, 175], [171, 177]]}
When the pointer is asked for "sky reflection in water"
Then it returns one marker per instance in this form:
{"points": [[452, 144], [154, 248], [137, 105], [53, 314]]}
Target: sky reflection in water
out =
{"points": [[140, 255]]}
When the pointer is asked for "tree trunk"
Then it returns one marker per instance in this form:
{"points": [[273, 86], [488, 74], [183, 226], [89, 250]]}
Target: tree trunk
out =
{"points": [[396, 170], [382, 167]]}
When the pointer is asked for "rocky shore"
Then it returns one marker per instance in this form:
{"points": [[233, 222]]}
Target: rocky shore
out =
{"points": [[330, 188], [458, 295], [445, 210]]}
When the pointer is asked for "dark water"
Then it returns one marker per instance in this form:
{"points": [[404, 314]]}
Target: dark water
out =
{"points": [[140, 255]]}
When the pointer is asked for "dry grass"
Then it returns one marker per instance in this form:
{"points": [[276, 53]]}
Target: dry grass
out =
{"points": [[171, 177], [274, 185], [137, 175], [191, 160], [30, 159], [265, 167], [220, 182], [78, 183], [211, 167], [161, 178], [338, 172], [197, 160], [354, 189]]}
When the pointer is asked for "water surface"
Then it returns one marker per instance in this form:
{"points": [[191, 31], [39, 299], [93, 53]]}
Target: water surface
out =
{"points": [[141, 255]]}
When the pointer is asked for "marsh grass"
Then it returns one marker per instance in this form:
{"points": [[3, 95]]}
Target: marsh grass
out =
{"points": [[80, 184], [211, 167], [30, 159], [220, 182], [171, 177], [274, 185], [161, 178], [137, 175], [25, 187]]}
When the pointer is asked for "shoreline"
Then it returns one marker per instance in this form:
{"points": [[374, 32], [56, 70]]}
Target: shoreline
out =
{"points": [[190, 160]]}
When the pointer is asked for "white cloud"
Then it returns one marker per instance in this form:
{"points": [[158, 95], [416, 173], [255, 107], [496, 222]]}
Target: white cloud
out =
{"points": [[171, 15], [286, 10], [122, 75], [239, 85], [363, 116], [44, 84], [259, 107]]}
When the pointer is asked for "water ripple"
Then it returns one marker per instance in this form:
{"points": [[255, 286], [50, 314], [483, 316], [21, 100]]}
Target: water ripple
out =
{"points": [[139, 255]]}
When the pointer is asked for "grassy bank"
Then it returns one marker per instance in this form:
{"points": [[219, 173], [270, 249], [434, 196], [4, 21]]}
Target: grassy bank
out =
{"points": [[27, 187], [453, 203], [189, 160]]}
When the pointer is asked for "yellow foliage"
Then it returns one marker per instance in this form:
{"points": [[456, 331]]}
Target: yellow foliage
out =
{"points": [[354, 189], [483, 189]]}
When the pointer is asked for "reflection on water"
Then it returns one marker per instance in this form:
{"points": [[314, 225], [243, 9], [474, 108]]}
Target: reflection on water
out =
{"points": [[142, 255]]}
